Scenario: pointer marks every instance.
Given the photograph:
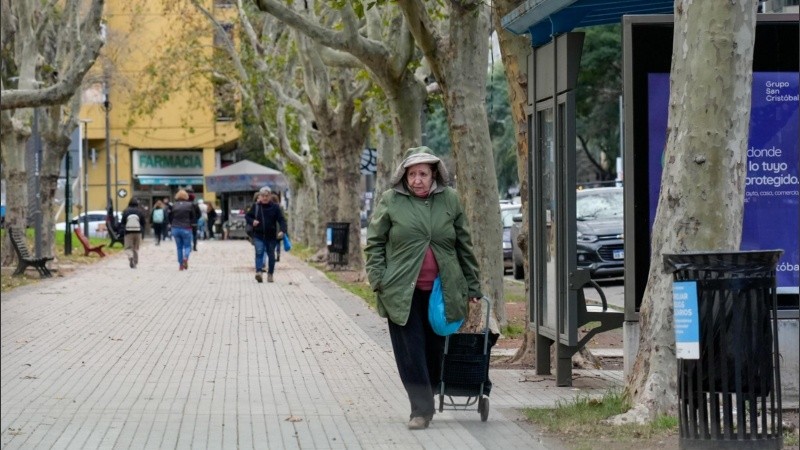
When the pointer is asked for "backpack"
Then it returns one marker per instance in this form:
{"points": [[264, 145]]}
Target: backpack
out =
{"points": [[158, 215], [132, 223]]}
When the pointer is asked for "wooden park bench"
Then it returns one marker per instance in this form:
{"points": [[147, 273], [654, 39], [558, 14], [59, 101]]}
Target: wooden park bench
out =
{"points": [[87, 247], [113, 235], [20, 244]]}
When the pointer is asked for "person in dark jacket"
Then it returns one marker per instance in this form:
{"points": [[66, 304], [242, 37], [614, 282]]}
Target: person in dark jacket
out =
{"points": [[267, 220], [158, 218], [133, 220], [419, 231], [197, 213], [212, 219], [181, 218]]}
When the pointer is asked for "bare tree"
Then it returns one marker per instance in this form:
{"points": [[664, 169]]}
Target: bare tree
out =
{"points": [[63, 83], [457, 51], [44, 41], [514, 51], [378, 40], [264, 83], [701, 202]]}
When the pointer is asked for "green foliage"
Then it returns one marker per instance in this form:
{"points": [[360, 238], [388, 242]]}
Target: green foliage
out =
{"points": [[599, 90], [512, 331]]}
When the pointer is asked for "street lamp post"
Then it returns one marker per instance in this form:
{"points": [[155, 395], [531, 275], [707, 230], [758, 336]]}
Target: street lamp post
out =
{"points": [[68, 208], [107, 108], [116, 175], [85, 161]]}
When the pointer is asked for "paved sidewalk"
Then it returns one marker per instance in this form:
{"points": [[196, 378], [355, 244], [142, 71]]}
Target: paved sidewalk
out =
{"points": [[113, 357]]}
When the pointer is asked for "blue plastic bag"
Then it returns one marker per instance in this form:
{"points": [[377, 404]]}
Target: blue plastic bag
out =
{"points": [[436, 315], [287, 243]]}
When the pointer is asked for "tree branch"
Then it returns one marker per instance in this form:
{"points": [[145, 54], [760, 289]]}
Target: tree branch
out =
{"points": [[61, 91]]}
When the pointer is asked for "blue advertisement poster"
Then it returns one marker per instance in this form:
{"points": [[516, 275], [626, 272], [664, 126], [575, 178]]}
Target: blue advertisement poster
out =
{"points": [[772, 201], [687, 320]]}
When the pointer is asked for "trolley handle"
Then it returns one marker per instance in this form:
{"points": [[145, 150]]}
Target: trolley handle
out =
{"points": [[486, 326]]}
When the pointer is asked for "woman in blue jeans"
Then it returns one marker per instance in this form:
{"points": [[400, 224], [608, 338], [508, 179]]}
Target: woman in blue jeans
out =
{"points": [[268, 224], [181, 217]]}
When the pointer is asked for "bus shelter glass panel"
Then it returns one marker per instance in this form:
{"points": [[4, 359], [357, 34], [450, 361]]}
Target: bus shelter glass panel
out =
{"points": [[547, 154]]}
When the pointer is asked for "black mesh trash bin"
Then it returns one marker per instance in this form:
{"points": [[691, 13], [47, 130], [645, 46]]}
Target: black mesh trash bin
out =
{"points": [[729, 394], [337, 239]]}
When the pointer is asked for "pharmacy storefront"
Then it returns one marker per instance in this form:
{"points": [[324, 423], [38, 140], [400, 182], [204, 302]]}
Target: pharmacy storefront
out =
{"points": [[161, 173]]}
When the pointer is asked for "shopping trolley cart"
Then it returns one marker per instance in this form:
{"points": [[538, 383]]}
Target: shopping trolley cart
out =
{"points": [[465, 369]]}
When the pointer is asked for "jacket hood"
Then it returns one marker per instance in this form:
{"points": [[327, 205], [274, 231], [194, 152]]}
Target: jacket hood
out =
{"points": [[420, 155]]}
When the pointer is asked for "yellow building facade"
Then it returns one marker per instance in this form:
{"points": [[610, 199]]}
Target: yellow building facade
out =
{"points": [[186, 135]]}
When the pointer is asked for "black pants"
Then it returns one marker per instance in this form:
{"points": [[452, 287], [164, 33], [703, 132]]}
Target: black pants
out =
{"points": [[418, 353], [158, 230]]}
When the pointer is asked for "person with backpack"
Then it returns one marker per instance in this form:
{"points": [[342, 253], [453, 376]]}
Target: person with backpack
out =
{"points": [[158, 219], [133, 220]]}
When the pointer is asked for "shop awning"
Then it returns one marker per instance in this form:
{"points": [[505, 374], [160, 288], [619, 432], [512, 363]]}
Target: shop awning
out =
{"points": [[245, 176], [170, 180], [544, 19]]}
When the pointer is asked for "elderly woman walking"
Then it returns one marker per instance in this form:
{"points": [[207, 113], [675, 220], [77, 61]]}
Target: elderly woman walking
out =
{"points": [[418, 231]]}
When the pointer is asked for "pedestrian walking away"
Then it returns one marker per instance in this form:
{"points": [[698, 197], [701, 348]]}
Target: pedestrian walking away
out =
{"points": [[267, 221], [212, 219], [158, 218], [419, 231], [133, 219], [195, 220], [181, 218], [166, 228]]}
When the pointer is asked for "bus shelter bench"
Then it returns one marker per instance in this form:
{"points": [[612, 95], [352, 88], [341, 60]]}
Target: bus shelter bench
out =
{"points": [[24, 256], [88, 247]]}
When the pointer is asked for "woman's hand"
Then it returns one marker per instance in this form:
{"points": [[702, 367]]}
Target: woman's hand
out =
{"points": [[255, 223], [474, 299]]}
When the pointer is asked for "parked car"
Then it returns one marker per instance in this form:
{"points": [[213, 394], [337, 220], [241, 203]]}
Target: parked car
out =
{"points": [[599, 222], [507, 212], [517, 257], [97, 223], [599, 216]]}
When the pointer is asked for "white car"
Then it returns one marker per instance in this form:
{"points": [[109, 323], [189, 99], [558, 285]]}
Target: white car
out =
{"points": [[97, 223]]}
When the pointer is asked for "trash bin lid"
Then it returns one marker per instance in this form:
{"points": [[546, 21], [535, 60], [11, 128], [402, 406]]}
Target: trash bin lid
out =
{"points": [[728, 261]]}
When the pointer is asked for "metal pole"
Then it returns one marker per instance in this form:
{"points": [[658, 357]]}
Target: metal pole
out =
{"points": [[107, 108], [68, 207], [86, 178], [116, 177], [37, 165]]}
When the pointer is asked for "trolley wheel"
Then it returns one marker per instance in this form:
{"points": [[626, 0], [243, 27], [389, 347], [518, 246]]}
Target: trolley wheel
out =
{"points": [[483, 408]]}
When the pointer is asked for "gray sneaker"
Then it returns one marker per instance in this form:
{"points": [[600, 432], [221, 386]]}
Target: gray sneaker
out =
{"points": [[269, 278], [259, 277]]}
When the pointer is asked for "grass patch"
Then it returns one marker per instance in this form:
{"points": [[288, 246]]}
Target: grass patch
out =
{"points": [[513, 331], [790, 439], [580, 421], [9, 282]]}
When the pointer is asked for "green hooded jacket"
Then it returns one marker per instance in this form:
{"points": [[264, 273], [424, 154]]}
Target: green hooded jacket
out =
{"points": [[403, 226]]}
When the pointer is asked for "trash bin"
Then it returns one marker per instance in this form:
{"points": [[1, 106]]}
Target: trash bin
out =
{"points": [[729, 392], [337, 239]]}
